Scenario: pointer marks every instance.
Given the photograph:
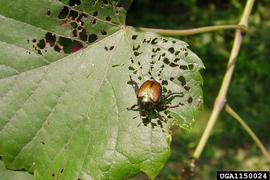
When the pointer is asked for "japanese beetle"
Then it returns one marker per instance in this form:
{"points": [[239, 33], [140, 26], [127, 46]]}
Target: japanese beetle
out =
{"points": [[149, 93], [151, 101]]}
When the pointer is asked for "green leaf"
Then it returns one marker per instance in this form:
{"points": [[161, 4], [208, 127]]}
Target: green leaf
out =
{"points": [[11, 175], [65, 115]]}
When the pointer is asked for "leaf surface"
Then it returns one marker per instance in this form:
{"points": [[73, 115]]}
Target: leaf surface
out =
{"points": [[63, 113], [11, 175]]}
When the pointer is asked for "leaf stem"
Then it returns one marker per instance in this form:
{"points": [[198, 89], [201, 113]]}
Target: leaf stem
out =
{"points": [[221, 98], [188, 32], [231, 112]]}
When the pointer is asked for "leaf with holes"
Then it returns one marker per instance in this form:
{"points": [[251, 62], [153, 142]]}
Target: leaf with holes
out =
{"points": [[65, 87]]}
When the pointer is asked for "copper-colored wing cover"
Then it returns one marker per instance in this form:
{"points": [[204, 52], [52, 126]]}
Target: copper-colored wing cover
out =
{"points": [[152, 88]]}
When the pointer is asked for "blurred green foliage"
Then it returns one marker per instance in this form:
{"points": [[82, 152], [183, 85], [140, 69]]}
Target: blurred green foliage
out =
{"points": [[229, 147]]}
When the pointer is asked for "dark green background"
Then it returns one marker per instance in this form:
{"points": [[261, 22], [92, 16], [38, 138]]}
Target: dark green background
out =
{"points": [[229, 148]]}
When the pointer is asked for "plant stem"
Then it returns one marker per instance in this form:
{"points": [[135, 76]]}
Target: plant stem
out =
{"points": [[221, 98], [231, 112], [188, 32]]}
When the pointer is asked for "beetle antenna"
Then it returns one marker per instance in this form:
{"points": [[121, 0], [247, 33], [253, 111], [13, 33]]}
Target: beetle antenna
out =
{"points": [[133, 84]]}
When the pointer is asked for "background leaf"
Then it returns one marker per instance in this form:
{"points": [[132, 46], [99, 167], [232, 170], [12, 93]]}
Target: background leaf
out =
{"points": [[11, 175], [65, 115]]}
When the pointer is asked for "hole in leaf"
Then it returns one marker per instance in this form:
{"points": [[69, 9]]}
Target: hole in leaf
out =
{"points": [[74, 2], [190, 99], [171, 50], [108, 18], [81, 16], [69, 45], [77, 47], [182, 80], [184, 67], [131, 68], [50, 38], [73, 14], [95, 13], [117, 65], [164, 82], [187, 88], [103, 32], [74, 25], [83, 35], [79, 28], [132, 60], [154, 41], [176, 60], [63, 14], [191, 66], [173, 64], [75, 33], [92, 38], [165, 89], [137, 53], [41, 44], [134, 37], [57, 48], [166, 61], [155, 50], [146, 41], [105, 2], [136, 48], [94, 21]]}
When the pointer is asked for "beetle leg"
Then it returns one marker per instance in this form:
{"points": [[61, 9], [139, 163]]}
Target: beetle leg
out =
{"points": [[133, 108], [135, 117], [160, 117], [133, 84], [175, 94], [168, 98], [175, 106]]}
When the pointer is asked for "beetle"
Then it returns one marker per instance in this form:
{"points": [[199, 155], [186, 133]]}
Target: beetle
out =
{"points": [[151, 100], [149, 93]]}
